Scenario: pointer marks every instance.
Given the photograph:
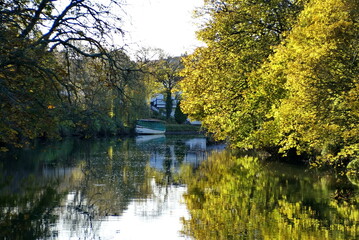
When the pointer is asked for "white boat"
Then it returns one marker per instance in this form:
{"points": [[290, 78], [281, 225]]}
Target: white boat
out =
{"points": [[150, 126]]}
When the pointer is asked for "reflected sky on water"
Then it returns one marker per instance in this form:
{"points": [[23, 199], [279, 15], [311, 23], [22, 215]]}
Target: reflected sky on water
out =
{"points": [[105, 189], [157, 217]]}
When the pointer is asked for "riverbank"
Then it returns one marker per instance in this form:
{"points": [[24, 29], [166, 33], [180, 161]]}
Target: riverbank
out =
{"points": [[183, 129]]}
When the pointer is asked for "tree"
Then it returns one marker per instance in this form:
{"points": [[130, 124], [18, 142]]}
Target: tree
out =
{"points": [[320, 68], [180, 117], [165, 71], [31, 82], [279, 75], [218, 87], [102, 99]]}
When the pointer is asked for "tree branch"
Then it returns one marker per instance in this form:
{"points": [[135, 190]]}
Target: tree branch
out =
{"points": [[35, 18]]}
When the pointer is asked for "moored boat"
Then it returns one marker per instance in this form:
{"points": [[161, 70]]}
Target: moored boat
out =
{"points": [[150, 126]]}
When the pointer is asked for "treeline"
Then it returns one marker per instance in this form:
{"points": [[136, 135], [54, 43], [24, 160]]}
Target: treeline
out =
{"points": [[62, 75], [279, 75], [100, 99]]}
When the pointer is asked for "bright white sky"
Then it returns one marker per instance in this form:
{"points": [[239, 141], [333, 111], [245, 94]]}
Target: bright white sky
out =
{"points": [[165, 24]]}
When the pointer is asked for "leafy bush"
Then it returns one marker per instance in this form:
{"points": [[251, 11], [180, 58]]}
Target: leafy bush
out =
{"points": [[180, 117]]}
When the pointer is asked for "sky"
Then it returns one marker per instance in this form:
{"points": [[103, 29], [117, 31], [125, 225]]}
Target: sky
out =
{"points": [[165, 24]]}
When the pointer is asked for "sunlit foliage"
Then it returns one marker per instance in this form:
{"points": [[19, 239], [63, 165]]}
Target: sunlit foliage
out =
{"points": [[239, 37], [280, 75], [318, 113]]}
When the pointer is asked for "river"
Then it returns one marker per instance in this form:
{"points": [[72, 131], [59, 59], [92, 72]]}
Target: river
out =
{"points": [[173, 187]]}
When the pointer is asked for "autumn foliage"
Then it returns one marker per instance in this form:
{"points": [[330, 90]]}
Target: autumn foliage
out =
{"points": [[279, 75], [59, 73]]}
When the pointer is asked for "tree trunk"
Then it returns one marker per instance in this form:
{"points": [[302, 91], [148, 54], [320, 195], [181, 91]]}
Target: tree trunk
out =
{"points": [[168, 104]]}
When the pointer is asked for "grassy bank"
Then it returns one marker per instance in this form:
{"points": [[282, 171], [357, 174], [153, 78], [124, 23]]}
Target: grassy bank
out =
{"points": [[172, 128]]}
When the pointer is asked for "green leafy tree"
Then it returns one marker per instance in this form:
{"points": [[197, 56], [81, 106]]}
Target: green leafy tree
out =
{"points": [[32, 83], [102, 99], [167, 73], [164, 71], [217, 86], [180, 117]]}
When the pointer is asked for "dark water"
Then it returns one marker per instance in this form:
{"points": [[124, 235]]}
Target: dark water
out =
{"points": [[163, 188]]}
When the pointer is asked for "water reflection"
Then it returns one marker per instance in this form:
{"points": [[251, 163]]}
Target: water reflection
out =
{"points": [[168, 153], [353, 172], [242, 198], [133, 188], [95, 189]]}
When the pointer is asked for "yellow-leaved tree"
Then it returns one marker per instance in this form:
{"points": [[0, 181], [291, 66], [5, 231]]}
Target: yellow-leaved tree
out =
{"points": [[280, 75], [318, 69], [217, 88]]}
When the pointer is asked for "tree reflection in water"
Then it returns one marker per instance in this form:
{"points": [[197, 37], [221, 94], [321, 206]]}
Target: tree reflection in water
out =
{"points": [[31, 190], [76, 188], [241, 198], [113, 175]]}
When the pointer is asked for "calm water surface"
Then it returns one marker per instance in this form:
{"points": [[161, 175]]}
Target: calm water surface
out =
{"points": [[173, 187]]}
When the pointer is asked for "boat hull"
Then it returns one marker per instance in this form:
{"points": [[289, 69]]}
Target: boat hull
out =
{"points": [[144, 130], [150, 126]]}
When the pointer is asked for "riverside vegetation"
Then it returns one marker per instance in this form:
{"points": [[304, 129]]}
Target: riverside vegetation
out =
{"points": [[61, 75], [278, 75]]}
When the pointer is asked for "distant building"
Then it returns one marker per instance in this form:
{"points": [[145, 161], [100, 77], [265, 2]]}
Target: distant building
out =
{"points": [[158, 104]]}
